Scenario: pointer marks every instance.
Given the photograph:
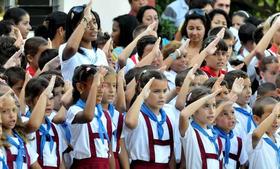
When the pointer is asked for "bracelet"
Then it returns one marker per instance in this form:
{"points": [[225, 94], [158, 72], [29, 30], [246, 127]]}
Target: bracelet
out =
{"points": [[173, 56], [179, 52]]}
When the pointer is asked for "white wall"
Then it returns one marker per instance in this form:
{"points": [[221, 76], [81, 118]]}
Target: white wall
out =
{"points": [[107, 9]]}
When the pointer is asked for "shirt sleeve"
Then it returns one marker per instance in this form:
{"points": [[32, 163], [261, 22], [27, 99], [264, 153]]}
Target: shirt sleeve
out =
{"points": [[32, 154]]}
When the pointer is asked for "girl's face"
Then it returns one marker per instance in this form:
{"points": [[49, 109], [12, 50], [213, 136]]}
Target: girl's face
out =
{"points": [[226, 119], [50, 105], [217, 61], [115, 33], [237, 21], [246, 93], [110, 87], [17, 87], [205, 115], [9, 113], [218, 20], [85, 89], [150, 16], [156, 98], [91, 30], [196, 30], [24, 26]]}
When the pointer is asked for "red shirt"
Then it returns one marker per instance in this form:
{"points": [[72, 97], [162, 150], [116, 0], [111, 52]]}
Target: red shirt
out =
{"points": [[31, 70], [210, 72]]}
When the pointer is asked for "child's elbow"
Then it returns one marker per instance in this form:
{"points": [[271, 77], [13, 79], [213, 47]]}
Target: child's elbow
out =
{"points": [[130, 123], [88, 118]]}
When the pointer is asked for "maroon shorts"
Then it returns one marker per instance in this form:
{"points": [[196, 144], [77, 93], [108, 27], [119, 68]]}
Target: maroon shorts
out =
{"points": [[90, 163]]}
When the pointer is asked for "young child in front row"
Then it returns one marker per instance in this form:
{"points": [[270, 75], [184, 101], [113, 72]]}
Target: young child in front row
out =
{"points": [[263, 145], [91, 128], [149, 130], [201, 144], [109, 95]]}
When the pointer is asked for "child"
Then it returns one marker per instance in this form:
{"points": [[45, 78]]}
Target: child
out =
{"points": [[33, 48], [91, 128], [15, 77], [243, 112], [109, 95], [201, 144], [149, 130], [215, 62], [47, 141], [235, 155], [263, 144]]}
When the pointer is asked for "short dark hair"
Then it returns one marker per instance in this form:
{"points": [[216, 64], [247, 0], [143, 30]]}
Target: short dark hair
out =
{"points": [[143, 42], [32, 45], [232, 75], [142, 10], [198, 3], [221, 12], [46, 56], [265, 61], [196, 94], [221, 46], [245, 32], [258, 107], [54, 21], [14, 75], [14, 15], [264, 88], [5, 27], [212, 80], [214, 31], [180, 77]]}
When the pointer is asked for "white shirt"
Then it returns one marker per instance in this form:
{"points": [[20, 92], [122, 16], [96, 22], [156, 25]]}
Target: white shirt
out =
{"points": [[115, 120], [80, 136], [263, 156], [91, 56], [170, 75], [138, 143], [192, 151]]}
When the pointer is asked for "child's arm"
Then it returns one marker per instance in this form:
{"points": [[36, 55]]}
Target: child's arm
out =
{"points": [[209, 50], [131, 118], [123, 156], [120, 99], [88, 113], [62, 165], [38, 113], [265, 125], [35, 165], [130, 92], [111, 158], [180, 52], [264, 42], [60, 116], [129, 48], [188, 111], [67, 99], [172, 162], [147, 60], [181, 100], [22, 103], [74, 41]]}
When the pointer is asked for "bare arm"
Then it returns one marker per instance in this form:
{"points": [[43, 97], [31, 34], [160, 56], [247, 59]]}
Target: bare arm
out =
{"points": [[120, 100], [123, 156]]}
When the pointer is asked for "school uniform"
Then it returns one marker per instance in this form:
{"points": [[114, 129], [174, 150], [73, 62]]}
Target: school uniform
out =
{"points": [[171, 76], [19, 152], [146, 145], [233, 150], [3, 160], [245, 123], [200, 152], [48, 143], [90, 145], [264, 155]]}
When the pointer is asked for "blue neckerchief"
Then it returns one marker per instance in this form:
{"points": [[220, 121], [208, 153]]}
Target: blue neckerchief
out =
{"points": [[274, 146], [227, 137], [101, 129], [28, 114], [67, 132], [211, 138], [4, 165], [20, 148], [111, 109], [248, 115], [146, 110], [45, 134]]}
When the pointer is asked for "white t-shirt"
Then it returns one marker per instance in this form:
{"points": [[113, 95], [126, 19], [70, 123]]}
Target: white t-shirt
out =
{"points": [[50, 157], [91, 56], [115, 120], [192, 151], [80, 136], [2, 155], [263, 156], [137, 141], [170, 75]]}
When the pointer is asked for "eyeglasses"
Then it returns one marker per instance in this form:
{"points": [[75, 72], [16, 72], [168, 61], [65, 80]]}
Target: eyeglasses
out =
{"points": [[196, 11]]}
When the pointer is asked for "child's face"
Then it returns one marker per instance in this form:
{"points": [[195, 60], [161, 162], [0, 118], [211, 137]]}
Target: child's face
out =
{"points": [[244, 97], [17, 87], [156, 98], [9, 112], [110, 86], [86, 89], [272, 71], [91, 31], [217, 61], [237, 21], [226, 119], [33, 60], [179, 64], [58, 93], [205, 114], [49, 108]]}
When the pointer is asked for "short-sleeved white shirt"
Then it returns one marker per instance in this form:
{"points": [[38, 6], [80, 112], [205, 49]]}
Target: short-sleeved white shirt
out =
{"points": [[96, 57], [137, 141], [192, 151], [80, 136], [263, 155]]}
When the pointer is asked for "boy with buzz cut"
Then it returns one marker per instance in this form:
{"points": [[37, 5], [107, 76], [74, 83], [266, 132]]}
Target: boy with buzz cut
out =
{"points": [[243, 112], [263, 145]]}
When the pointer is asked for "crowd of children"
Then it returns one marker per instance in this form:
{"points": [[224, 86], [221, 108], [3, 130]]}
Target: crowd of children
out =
{"points": [[71, 97]]}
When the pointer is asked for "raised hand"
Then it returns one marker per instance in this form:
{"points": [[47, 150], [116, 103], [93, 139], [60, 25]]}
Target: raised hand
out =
{"points": [[217, 84], [191, 74], [48, 91], [14, 60], [52, 64], [238, 86], [146, 90], [156, 48], [183, 47], [87, 11], [99, 76]]}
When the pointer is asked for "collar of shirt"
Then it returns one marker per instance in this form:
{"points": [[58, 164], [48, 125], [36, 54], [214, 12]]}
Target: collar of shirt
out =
{"points": [[211, 73]]}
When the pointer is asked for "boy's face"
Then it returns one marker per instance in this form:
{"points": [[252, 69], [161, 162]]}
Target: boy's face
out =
{"points": [[110, 87], [246, 93], [226, 119], [205, 115], [272, 70], [58, 92], [216, 61], [230, 43]]}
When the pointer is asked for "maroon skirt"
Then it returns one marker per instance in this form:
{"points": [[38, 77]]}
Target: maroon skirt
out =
{"points": [[148, 165], [90, 163], [117, 161]]}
